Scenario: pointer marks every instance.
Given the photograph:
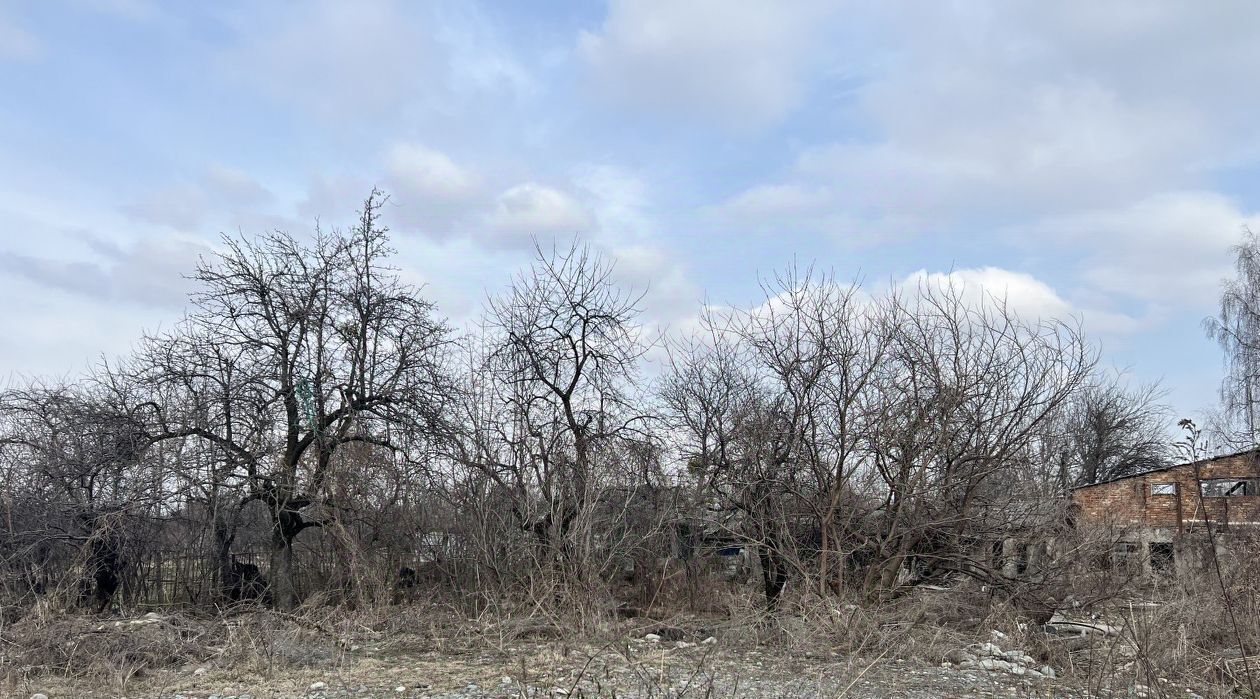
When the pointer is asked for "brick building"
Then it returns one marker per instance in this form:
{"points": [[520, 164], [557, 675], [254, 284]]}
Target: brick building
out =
{"points": [[1157, 513]]}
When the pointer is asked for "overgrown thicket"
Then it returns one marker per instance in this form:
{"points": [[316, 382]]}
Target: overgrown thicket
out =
{"points": [[314, 427]]}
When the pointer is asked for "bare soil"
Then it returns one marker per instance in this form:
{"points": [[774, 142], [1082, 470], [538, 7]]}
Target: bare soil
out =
{"points": [[433, 651], [632, 668]]}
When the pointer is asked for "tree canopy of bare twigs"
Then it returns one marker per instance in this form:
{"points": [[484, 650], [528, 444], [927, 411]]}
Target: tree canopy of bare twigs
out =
{"points": [[292, 352], [1237, 329], [314, 426]]}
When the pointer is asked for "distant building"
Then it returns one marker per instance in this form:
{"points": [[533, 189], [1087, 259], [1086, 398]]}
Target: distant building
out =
{"points": [[1160, 513]]}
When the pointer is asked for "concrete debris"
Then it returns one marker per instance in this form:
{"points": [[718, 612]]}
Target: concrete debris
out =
{"points": [[1018, 656], [1090, 625], [150, 618], [990, 649], [991, 658]]}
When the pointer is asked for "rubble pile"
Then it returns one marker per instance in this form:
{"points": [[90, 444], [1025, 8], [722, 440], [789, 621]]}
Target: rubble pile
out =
{"points": [[991, 657]]}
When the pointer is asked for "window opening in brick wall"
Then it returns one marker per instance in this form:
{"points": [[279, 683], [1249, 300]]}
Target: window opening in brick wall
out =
{"points": [[1162, 556], [1163, 489], [1229, 487]]}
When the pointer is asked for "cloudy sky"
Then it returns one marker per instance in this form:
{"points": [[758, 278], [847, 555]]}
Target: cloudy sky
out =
{"points": [[1081, 158]]}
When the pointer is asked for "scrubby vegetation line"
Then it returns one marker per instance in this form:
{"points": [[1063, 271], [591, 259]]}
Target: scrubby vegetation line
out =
{"points": [[314, 454]]}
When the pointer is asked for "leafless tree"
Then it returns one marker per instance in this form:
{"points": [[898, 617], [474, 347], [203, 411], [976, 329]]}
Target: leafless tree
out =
{"points": [[1237, 329], [312, 412], [773, 403], [292, 352], [879, 431], [1112, 431], [76, 462], [970, 386], [562, 352]]}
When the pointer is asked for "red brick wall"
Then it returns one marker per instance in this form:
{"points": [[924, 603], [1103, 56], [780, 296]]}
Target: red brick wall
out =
{"points": [[1129, 501]]}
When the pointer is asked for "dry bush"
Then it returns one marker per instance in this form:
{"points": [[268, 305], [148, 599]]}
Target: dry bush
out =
{"points": [[45, 643], [1185, 629], [57, 643]]}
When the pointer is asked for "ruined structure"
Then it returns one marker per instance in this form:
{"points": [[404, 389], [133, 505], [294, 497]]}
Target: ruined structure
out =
{"points": [[1161, 517]]}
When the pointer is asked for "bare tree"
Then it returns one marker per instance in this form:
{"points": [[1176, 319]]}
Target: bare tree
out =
{"points": [[292, 352], [774, 400], [970, 385], [1237, 329], [78, 456], [1112, 431], [311, 409], [564, 349], [881, 432]]}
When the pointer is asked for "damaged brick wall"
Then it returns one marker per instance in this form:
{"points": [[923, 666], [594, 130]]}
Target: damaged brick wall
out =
{"points": [[1137, 501]]}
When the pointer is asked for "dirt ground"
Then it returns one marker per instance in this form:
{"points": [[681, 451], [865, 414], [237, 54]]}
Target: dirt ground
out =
{"points": [[419, 651], [634, 668]]}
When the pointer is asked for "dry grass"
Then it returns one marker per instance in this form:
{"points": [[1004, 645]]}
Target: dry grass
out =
{"points": [[49, 643], [1176, 641]]}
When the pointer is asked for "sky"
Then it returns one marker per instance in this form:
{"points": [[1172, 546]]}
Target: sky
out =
{"points": [[1086, 160]]}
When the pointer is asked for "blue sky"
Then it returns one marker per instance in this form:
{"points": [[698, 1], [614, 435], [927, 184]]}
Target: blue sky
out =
{"points": [[1088, 159]]}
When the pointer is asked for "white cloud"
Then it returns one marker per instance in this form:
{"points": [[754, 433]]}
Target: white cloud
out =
{"points": [[1022, 294], [534, 209], [1171, 248], [479, 59], [1054, 153], [427, 173], [333, 197], [443, 200], [814, 209], [234, 187], [742, 63], [387, 60], [185, 206], [768, 200], [669, 294], [987, 115], [149, 272], [619, 200], [338, 59], [429, 193], [181, 207], [61, 338]]}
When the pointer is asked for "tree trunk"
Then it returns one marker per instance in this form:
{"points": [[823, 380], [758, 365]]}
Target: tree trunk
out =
{"points": [[830, 569], [223, 536], [773, 574], [283, 593]]}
